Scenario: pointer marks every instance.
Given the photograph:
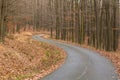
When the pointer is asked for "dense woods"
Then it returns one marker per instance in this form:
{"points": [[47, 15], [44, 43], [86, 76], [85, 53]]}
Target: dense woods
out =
{"points": [[95, 22]]}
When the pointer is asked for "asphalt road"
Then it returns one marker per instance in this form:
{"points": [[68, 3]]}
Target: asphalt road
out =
{"points": [[81, 64]]}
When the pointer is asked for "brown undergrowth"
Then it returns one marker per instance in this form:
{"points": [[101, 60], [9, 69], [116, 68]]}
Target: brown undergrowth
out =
{"points": [[22, 58]]}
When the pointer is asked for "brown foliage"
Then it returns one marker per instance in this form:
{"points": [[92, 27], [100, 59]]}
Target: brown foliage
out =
{"points": [[24, 57]]}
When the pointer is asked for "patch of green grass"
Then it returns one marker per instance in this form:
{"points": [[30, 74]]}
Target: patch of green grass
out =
{"points": [[48, 54], [23, 77], [57, 52]]}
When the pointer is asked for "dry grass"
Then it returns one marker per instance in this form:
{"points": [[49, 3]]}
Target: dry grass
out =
{"points": [[22, 57]]}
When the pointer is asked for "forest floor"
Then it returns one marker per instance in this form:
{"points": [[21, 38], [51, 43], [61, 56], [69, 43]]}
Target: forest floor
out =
{"points": [[23, 58]]}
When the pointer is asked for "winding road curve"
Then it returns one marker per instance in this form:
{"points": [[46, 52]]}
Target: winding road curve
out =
{"points": [[81, 64]]}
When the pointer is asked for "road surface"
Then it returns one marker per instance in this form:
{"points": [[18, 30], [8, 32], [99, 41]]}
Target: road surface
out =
{"points": [[81, 64]]}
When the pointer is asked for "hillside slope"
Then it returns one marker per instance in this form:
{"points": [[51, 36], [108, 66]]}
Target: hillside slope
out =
{"points": [[24, 58]]}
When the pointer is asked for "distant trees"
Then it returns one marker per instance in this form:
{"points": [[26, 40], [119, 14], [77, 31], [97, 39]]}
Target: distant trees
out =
{"points": [[14, 15], [3, 15], [94, 19], [94, 22]]}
